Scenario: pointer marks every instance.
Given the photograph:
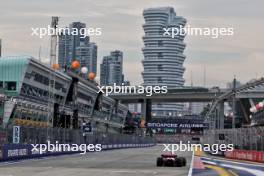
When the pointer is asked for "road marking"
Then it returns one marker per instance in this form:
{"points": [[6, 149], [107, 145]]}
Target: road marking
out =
{"points": [[235, 162], [232, 172], [134, 172], [253, 171], [209, 162], [219, 170], [191, 165]]}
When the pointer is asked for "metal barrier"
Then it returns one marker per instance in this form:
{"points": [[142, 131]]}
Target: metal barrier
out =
{"points": [[31, 135], [242, 138], [3, 136]]}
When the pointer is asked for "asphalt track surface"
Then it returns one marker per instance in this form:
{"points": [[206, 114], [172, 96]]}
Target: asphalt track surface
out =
{"points": [[215, 166], [121, 162]]}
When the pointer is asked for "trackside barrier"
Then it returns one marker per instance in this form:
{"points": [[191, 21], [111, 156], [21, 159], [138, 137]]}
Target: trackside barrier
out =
{"points": [[10, 152], [248, 155]]}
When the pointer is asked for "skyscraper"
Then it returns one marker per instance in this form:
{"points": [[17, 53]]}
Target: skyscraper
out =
{"points": [[87, 55], [77, 47], [112, 69], [163, 55]]}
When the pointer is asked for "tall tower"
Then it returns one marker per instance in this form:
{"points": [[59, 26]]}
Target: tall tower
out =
{"points": [[112, 69], [163, 55], [77, 47]]}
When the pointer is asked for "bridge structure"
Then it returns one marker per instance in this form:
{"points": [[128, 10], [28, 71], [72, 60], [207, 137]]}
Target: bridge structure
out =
{"points": [[180, 95], [240, 98]]}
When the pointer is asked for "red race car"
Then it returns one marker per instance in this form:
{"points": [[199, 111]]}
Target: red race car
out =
{"points": [[171, 160]]}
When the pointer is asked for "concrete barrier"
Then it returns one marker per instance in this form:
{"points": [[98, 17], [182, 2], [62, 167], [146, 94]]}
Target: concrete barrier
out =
{"points": [[9, 152]]}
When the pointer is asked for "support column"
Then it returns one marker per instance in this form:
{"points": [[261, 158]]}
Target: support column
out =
{"points": [[75, 124], [143, 108], [146, 112], [221, 115], [234, 105], [146, 109], [243, 103], [96, 104]]}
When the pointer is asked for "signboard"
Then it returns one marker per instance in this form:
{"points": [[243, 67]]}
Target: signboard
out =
{"points": [[16, 134], [248, 155], [87, 128], [176, 125]]}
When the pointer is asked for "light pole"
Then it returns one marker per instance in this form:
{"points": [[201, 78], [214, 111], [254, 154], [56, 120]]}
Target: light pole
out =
{"points": [[234, 105]]}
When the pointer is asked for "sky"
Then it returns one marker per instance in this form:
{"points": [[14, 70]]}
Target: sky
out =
{"points": [[240, 55]]}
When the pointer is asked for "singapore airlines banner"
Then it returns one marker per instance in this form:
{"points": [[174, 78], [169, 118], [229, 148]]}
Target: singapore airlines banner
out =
{"points": [[176, 125]]}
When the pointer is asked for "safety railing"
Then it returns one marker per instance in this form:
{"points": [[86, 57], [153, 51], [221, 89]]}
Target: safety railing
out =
{"points": [[242, 138]]}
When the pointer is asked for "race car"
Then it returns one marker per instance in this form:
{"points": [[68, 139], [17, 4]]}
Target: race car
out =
{"points": [[171, 160]]}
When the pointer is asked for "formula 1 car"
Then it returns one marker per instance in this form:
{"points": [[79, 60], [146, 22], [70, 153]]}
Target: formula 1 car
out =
{"points": [[171, 160]]}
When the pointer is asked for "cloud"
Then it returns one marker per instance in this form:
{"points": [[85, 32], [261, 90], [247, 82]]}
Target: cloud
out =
{"points": [[121, 21]]}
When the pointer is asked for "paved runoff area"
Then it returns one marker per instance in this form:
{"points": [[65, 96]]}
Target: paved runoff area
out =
{"points": [[128, 162], [205, 165]]}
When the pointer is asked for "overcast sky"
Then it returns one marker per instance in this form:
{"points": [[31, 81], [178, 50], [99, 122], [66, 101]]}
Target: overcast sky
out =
{"points": [[121, 21]]}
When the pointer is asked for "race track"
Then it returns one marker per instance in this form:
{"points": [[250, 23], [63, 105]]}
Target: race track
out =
{"points": [[215, 166], [129, 162]]}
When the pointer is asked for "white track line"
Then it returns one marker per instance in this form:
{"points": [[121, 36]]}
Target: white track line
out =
{"points": [[191, 165], [253, 171], [235, 162]]}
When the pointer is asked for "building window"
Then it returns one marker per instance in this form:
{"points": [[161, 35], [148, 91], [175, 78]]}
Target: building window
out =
{"points": [[159, 55], [159, 80], [11, 86], [160, 68]]}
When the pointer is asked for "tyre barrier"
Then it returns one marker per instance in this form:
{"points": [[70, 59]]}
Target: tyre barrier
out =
{"points": [[12, 152]]}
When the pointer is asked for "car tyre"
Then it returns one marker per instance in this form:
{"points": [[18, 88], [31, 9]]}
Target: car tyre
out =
{"points": [[178, 162], [183, 161], [159, 162]]}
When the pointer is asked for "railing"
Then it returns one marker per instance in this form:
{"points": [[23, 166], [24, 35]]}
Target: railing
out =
{"points": [[241, 138], [30, 135]]}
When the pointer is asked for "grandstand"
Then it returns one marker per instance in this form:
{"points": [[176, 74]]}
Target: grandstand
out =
{"points": [[27, 92]]}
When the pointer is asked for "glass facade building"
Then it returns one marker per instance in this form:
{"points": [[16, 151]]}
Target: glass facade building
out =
{"points": [[112, 69], [77, 47]]}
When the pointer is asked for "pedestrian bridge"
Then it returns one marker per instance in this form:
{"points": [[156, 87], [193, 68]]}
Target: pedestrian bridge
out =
{"points": [[185, 94]]}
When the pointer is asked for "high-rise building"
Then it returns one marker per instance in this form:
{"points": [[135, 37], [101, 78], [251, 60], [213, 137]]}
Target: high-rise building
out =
{"points": [[163, 55], [112, 69], [77, 47], [87, 55]]}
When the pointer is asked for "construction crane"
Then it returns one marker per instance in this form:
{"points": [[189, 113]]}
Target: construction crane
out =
{"points": [[53, 60], [53, 42]]}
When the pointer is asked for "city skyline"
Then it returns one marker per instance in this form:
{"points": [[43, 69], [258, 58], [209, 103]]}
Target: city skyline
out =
{"points": [[243, 49]]}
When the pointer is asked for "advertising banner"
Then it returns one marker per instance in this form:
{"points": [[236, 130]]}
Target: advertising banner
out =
{"points": [[248, 155], [176, 125], [16, 134]]}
